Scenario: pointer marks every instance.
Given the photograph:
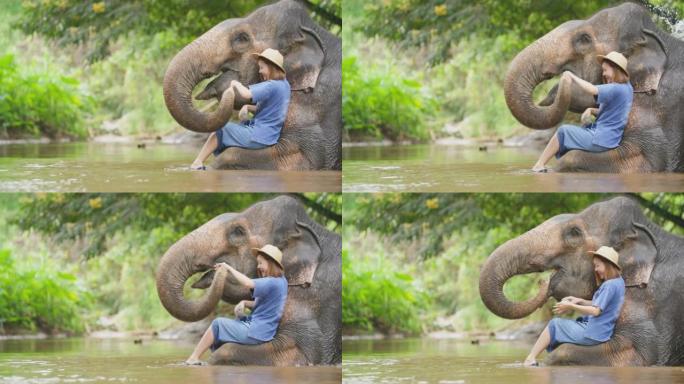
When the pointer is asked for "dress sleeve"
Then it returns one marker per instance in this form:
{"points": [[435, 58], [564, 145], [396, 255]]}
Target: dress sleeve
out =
{"points": [[604, 297], [261, 91], [262, 286], [605, 92]]}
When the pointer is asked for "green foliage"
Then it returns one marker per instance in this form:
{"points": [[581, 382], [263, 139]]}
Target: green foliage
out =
{"points": [[96, 218], [437, 24], [39, 295], [37, 100], [100, 23], [381, 100], [378, 296]]}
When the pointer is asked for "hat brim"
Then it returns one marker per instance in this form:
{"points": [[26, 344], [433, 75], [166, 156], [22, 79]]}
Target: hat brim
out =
{"points": [[258, 251], [605, 258], [259, 56], [602, 57]]}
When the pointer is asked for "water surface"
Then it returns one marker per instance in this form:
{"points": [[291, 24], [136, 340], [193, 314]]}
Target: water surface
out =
{"points": [[100, 167], [78, 360], [440, 168], [454, 361]]}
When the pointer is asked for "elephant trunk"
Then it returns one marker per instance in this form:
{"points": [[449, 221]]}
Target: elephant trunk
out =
{"points": [[174, 270], [527, 70], [509, 260], [190, 66]]}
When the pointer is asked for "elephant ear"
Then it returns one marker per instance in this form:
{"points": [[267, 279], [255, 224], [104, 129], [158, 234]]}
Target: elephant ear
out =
{"points": [[304, 53], [301, 254], [647, 58], [638, 252]]}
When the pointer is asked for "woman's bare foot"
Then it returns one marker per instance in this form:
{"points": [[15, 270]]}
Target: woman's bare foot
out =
{"points": [[530, 362], [539, 168], [197, 167], [192, 361]]}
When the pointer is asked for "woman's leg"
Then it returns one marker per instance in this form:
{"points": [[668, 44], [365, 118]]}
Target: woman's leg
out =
{"points": [[551, 149], [542, 342], [205, 342], [204, 153]]}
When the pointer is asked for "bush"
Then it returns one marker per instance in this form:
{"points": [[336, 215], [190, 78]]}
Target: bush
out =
{"points": [[39, 296], [377, 296], [383, 102], [39, 101]]}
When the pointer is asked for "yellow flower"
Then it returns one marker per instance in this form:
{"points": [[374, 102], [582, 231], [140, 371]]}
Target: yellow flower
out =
{"points": [[99, 7], [441, 10], [432, 203], [95, 203]]}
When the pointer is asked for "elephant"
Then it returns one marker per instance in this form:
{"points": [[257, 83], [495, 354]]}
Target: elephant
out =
{"points": [[310, 329], [312, 132], [653, 140], [649, 330]]}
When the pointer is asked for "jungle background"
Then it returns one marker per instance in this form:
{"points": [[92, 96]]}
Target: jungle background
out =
{"points": [[78, 263], [78, 69], [418, 70], [411, 262]]}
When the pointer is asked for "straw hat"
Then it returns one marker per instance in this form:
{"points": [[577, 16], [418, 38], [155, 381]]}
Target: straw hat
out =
{"points": [[616, 58], [272, 56], [607, 253], [272, 252]]}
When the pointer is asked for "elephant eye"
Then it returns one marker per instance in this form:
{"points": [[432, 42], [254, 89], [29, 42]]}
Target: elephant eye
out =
{"points": [[240, 41], [237, 235], [583, 38], [573, 236]]}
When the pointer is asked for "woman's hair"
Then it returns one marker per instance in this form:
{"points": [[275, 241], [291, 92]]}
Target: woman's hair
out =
{"points": [[273, 269], [275, 72], [620, 75], [611, 271]]}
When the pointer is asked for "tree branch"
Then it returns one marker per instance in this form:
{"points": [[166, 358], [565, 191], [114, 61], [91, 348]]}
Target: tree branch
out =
{"points": [[658, 210], [326, 212], [324, 13]]}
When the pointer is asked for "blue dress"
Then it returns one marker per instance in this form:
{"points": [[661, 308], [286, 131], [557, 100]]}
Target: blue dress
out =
{"points": [[591, 330], [615, 102], [269, 301], [272, 100]]}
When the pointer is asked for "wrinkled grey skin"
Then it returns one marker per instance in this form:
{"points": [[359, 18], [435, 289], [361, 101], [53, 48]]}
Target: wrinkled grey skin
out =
{"points": [[649, 330], [311, 136], [654, 135], [310, 328]]}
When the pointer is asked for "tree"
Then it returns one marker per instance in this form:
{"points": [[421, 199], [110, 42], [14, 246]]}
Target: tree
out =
{"points": [[97, 24]]}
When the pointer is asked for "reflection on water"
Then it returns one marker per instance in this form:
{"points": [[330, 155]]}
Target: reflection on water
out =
{"points": [[153, 361], [438, 168], [98, 167], [452, 361]]}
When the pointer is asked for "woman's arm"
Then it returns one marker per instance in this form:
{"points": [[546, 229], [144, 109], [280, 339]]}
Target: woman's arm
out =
{"points": [[242, 279], [585, 85], [567, 306], [241, 89]]}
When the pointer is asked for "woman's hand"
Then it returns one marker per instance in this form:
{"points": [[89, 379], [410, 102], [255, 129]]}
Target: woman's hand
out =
{"points": [[223, 266], [244, 113], [563, 307], [240, 309], [586, 116], [235, 83]]}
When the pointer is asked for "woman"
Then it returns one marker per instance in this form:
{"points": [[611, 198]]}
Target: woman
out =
{"points": [[272, 98], [269, 292], [614, 98], [600, 314]]}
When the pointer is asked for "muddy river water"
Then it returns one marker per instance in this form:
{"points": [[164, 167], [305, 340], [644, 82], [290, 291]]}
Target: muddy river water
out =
{"points": [[440, 168], [79, 360], [99, 167], [426, 360]]}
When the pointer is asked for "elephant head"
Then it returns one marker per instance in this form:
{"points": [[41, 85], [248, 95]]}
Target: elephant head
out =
{"points": [[230, 238], [561, 244], [228, 49], [574, 46]]}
